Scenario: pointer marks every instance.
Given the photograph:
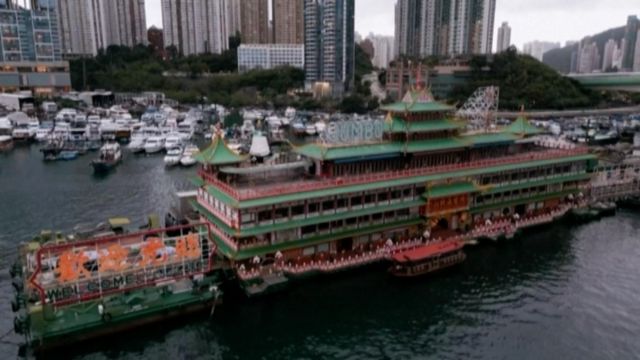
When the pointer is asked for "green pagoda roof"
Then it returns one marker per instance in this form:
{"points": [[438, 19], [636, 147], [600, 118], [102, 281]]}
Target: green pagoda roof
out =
{"points": [[324, 152], [417, 107], [417, 100], [489, 139], [397, 125], [522, 127], [319, 151], [218, 153]]}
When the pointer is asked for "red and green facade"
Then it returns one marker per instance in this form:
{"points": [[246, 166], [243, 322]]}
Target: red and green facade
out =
{"points": [[426, 174]]}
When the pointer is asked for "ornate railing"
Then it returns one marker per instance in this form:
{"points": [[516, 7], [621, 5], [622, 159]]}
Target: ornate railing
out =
{"points": [[310, 185]]}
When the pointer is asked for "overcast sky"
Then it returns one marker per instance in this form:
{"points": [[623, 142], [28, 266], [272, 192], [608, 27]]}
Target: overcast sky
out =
{"points": [[548, 20]]}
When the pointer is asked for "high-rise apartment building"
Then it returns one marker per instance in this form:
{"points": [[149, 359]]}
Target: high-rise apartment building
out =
{"points": [[254, 21], [87, 26], [288, 21], [610, 48], [30, 49], [504, 37], [29, 34], [538, 48], [195, 26], [630, 37], [383, 50], [444, 27], [329, 46], [588, 56]]}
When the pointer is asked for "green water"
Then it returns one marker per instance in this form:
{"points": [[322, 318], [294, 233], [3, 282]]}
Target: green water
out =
{"points": [[559, 292]]}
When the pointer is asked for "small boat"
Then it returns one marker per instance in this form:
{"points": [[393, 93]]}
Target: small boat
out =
{"points": [[6, 143], [428, 258], [109, 157], [173, 157], [188, 155], [154, 144], [172, 140], [311, 130], [298, 128], [68, 155]]}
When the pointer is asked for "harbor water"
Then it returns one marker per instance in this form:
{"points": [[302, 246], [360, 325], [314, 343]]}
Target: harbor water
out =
{"points": [[558, 292]]}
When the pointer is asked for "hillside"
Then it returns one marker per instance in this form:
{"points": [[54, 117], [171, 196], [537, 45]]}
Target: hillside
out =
{"points": [[560, 59], [524, 81]]}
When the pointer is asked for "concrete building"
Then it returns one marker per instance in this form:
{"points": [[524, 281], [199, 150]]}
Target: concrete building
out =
{"points": [[444, 27], [538, 48], [86, 26], [196, 27], [254, 19], [288, 21], [588, 57], [156, 41], [29, 34], [383, 50], [42, 78], [329, 46], [607, 57], [269, 56], [504, 37], [636, 59], [630, 37]]}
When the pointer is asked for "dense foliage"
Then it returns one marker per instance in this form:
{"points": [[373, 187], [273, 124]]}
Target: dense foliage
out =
{"points": [[186, 79], [524, 81]]}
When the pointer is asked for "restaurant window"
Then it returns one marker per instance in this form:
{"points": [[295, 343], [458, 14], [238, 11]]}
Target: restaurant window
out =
{"points": [[307, 230], [264, 215], [297, 210], [328, 205], [313, 207], [341, 203], [356, 201]]}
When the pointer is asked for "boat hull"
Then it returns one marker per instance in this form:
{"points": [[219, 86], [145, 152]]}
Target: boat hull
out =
{"points": [[433, 266], [103, 166]]}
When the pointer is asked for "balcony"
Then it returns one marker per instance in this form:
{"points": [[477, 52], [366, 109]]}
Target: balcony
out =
{"points": [[259, 191]]}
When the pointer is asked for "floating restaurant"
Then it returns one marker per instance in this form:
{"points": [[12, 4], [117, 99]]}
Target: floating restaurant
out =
{"points": [[370, 190]]}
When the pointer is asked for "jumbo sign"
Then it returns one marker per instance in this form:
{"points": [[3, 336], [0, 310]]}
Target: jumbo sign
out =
{"points": [[91, 269], [353, 131]]}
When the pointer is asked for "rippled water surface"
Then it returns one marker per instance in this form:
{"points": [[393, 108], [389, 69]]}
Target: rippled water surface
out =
{"points": [[559, 292]]}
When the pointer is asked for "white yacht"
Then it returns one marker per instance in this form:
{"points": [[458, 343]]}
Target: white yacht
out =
{"points": [[186, 129], [173, 157], [6, 129], [188, 155], [172, 140], [66, 114], [43, 131], [154, 144]]}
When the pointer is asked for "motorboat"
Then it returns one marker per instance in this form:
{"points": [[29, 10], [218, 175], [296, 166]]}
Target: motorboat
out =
{"points": [[188, 155], [109, 157], [6, 128], [44, 131], [172, 140], [154, 144], [21, 122], [311, 130], [6, 143], [61, 130], [173, 156], [66, 115], [186, 129]]}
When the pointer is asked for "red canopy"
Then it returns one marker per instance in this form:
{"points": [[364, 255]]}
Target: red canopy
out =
{"points": [[427, 251]]}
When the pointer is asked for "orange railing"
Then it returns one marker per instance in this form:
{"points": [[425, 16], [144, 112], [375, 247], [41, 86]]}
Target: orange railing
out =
{"points": [[310, 185]]}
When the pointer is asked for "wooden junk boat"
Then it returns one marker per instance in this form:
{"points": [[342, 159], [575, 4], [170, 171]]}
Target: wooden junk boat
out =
{"points": [[428, 258]]}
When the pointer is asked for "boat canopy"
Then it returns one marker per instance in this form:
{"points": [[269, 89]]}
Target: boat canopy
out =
{"points": [[428, 251]]}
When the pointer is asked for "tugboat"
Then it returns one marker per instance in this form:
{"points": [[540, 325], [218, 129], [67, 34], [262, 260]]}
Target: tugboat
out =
{"points": [[428, 258], [110, 156]]}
